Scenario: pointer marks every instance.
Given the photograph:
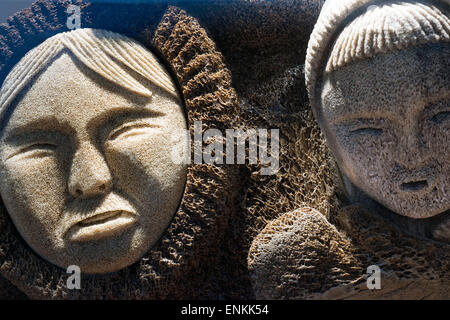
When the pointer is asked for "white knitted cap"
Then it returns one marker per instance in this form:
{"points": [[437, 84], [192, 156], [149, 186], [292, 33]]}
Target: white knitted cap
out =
{"points": [[409, 23]]}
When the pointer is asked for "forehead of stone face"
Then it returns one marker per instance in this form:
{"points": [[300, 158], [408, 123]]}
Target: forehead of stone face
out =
{"points": [[388, 85], [68, 91]]}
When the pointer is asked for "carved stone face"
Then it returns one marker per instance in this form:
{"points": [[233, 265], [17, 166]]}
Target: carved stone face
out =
{"points": [[387, 120], [85, 168]]}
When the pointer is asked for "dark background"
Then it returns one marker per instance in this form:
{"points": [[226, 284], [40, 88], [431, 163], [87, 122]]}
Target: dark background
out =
{"points": [[8, 7]]}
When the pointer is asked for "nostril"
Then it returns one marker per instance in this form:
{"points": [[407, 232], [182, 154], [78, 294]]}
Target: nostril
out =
{"points": [[102, 187], [78, 193]]}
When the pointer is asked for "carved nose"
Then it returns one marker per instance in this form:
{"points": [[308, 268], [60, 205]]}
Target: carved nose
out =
{"points": [[89, 173], [413, 152]]}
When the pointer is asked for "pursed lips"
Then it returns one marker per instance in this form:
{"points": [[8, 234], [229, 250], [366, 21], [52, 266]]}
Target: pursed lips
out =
{"points": [[101, 226], [114, 214]]}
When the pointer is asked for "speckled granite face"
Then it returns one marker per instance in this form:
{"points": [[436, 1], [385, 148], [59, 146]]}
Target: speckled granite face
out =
{"points": [[85, 169], [387, 120]]}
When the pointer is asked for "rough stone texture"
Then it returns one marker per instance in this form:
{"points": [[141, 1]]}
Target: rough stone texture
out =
{"points": [[260, 39], [426, 24], [407, 171], [380, 103], [301, 255], [270, 100], [388, 27], [379, 94], [104, 154], [387, 122], [263, 43], [189, 246]]}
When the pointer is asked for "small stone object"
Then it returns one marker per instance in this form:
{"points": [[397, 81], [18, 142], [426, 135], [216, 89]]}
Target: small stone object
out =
{"points": [[287, 257], [301, 255], [85, 167]]}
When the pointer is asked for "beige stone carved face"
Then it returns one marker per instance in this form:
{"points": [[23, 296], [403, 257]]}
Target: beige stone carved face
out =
{"points": [[387, 120], [85, 169]]}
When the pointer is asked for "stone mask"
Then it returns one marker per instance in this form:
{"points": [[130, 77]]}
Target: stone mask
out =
{"points": [[382, 99], [85, 167], [387, 121]]}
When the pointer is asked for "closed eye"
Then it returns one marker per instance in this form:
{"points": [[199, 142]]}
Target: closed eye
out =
{"points": [[129, 130], [441, 117], [367, 131], [36, 150]]}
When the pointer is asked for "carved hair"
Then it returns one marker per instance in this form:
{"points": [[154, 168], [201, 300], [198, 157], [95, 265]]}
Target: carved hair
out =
{"points": [[108, 54], [352, 30]]}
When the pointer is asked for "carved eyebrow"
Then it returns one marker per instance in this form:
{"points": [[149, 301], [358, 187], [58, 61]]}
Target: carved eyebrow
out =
{"points": [[40, 127], [354, 117], [114, 117], [22, 140], [51, 125]]}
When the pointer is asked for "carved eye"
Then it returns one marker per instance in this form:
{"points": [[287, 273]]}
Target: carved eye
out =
{"points": [[441, 117], [36, 150], [363, 127], [370, 131], [130, 129]]}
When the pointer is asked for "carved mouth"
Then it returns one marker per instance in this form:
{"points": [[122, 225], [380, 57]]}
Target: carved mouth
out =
{"points": [[414, 186], [100, 218], [102, 225]]}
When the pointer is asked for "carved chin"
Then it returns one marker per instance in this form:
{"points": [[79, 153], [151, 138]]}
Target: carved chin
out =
{"points": [[415, 206]]}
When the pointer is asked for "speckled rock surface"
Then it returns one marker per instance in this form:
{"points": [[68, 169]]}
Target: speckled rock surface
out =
{"points": [[239, 63], [375, 82], [385, 120], [377, 77], [298, 254], [99, 184], [263, 45], [189, 245], [301, 255]]}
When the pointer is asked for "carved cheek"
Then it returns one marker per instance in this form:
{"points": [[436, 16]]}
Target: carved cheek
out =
{"points": [[140, 164], [365, 157], [436, 138], [34, 192]]}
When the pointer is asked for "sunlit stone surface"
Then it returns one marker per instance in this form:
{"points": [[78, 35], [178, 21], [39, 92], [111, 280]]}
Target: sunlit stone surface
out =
{"points": [[86, 173]]}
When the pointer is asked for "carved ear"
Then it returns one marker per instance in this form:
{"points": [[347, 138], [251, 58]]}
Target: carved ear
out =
{"points": [[194, 235]]}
